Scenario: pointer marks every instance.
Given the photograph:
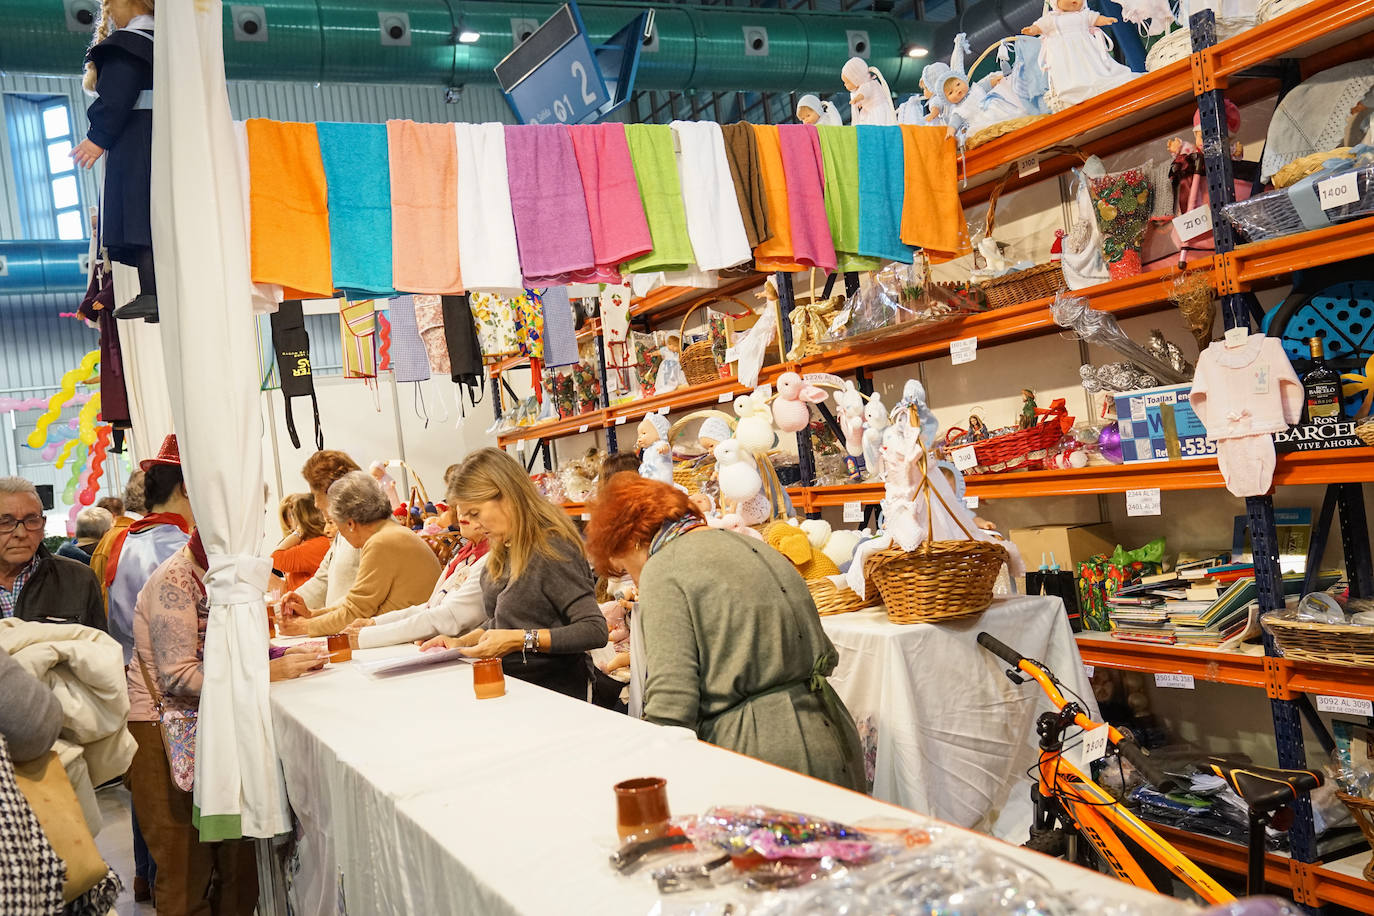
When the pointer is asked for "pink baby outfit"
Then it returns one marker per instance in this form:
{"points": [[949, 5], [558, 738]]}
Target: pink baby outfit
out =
{"points": [[1243, 395]]}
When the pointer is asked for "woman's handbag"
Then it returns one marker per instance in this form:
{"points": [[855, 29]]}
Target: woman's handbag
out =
{"points": [[178, 727], [44, 783]]}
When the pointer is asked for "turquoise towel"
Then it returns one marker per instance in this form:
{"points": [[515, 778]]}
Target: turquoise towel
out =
{"points": [[881, 183], [358, 177]]}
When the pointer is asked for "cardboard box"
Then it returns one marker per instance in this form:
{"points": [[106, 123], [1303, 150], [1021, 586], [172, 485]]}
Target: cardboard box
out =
{"points": [[1158, 424], [1070, 544]]}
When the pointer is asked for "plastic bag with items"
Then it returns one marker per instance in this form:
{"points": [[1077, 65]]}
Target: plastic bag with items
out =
{"points": [[899, 298]]}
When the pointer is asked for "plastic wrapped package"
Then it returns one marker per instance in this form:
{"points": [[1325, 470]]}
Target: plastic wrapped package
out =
{"points": [[897, 299], [1300, 207]]}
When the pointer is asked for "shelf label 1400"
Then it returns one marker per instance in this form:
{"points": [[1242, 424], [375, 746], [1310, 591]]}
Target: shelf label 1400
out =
{"points": [[1338, 191]]}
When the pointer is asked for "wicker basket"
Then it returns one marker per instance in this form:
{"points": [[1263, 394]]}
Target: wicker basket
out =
{"points": [[1272, 9], [444, 545], [1328, 644], [1365, 431], [1178, 45], [1362, 809], [1015, 449], [698, 362], [693, 473], [1001, 128], [1039, 282], [831, 600]]}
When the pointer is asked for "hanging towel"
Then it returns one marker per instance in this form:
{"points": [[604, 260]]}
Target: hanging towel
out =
{"points": [[620, 230], [801, 160], [775, 252], [424, 207], [881, 187], [429, 318], [714, 224], [742, 152], [291, 345], [560, 337], [355, 166], [551, 228], [840, 156], [486, 228], [358, 338], [266, 296], [290, 209], [932, 217], [464, 356], [408, 357], [651, 149]]}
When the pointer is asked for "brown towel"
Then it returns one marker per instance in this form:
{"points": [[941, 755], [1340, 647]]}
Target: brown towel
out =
{"points": [[742, 151]]}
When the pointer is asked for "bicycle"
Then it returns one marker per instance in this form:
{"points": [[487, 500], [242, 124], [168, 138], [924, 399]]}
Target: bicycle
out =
{"points": [[1069, 804]]}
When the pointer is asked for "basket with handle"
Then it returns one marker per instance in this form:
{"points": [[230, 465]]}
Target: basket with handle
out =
{"points": [[831, 600], [693, 473], [698, 361], [1039, 282], [1362, 809], [1014, 449], [939, 580]]}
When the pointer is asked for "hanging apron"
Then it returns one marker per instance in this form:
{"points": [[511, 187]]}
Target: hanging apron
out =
{"points": [[464, 352], [429, 318], [292, 346], [358, 337], [409, 359]]}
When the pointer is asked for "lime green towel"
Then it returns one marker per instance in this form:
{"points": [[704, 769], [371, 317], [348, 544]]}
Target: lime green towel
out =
{"points": [[651, 151], [840, 156]]}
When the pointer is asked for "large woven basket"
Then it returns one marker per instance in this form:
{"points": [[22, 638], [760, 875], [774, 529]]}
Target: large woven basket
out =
{"points": [[831, 600], [1001, 128], [1178, 45], [1329, 644], [1272, 9], [698, 362], [1362, 809], [1039, 282], [1015, 449]]}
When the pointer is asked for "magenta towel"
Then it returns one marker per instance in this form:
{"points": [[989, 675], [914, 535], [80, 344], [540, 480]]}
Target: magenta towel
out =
{"points": [[801, 164], [615, 210], [551, 229]]}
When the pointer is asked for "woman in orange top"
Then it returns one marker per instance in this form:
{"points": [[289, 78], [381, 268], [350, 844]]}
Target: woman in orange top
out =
{"points": [[299, 554]]}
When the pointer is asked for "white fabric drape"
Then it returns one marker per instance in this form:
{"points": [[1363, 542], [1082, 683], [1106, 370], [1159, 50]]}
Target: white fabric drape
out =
{"points": [[209, 344], [150, 409]]}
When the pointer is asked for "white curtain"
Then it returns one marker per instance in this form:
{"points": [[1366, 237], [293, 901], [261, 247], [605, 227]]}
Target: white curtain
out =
{"points": [[209, 345], [150, 408]]}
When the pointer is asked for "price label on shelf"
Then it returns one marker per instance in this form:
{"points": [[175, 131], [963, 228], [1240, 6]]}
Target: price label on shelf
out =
{"points": [[730, 355], [520, 445], [1027, 165], [1089, 670], [1180, 681], [853, 512], [1094, 746], [1338, 191], [663, 411], [1142, 502], [620, 421], [963, 351], [964, 458], [1196, 222], [970, 502], [763, 391], [586, 516], [1349, 706], [583, 428], [725, 398]]}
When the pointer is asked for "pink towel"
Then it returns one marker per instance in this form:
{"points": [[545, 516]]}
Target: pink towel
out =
{"points": [[615, 211], [801, 163], [551, 227], [424, 207]]}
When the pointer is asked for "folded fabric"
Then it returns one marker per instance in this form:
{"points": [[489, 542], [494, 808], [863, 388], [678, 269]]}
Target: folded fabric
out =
{"points": [[812, 245], [714, 224], [409, 360], [424, 207], [486, 229], [660, 191], [882, 178], [355, 167], [551, 227], [290, 208], [775, 252], [560, 337], [742, 152], [932, 217], [620, 230], [840, 156]]}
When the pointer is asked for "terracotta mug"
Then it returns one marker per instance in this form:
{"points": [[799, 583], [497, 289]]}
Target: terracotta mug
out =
{"points": [[488, 679], [339, 650], [641, 806]]}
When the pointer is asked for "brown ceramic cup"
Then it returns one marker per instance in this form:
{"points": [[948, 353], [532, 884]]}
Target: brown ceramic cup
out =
{"points": [[488, 680], [641, 806], [339, 650]]}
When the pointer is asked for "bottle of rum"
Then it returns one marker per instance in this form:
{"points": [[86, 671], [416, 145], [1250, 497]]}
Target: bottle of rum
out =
{"points": [[1321, 388]]}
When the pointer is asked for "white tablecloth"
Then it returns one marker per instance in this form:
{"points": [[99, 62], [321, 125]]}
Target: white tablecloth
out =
{"points": [[417, 798], [944, 732]]}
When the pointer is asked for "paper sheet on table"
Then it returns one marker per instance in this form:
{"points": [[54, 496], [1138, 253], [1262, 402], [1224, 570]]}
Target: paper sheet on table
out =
{"points": [[386, 666]]}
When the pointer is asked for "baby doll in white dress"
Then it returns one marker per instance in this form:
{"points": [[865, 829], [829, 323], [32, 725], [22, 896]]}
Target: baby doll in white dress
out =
{"points": [[870, 101], [1074, 52]]}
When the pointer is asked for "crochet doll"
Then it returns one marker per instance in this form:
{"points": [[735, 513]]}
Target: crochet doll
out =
{"points": [[1074, 53], [870, 101], [119, 72], [670, 374]]}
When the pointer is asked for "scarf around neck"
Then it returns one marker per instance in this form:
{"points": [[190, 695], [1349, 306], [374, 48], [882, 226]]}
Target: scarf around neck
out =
{"points": [[672, 530]]}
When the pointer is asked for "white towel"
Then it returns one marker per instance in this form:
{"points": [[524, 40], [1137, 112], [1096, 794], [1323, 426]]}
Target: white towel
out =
{"points": [[714, 224], [487, 256]]}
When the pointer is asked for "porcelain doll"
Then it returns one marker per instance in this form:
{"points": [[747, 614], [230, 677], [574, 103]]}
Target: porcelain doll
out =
{"points": [[968, 107], [656, 463], [811, 110], [870, 101], [670, 374], [1074, 52]]}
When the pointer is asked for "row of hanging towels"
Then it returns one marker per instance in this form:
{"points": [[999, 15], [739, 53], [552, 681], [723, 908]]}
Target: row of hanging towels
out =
{"points": [[373, 210]]}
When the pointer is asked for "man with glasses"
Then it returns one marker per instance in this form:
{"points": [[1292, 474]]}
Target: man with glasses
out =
{"points": [[34, 584]]}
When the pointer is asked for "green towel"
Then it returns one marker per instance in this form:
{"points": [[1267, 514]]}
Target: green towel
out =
{"points": [[651, 151], [840, 157]]}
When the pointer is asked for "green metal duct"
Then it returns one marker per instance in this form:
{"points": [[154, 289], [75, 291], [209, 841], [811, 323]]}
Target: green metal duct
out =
{"points": [[697, 47]]}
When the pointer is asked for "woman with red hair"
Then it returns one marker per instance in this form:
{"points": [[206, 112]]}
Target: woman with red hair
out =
{"points": [[732, 643]]}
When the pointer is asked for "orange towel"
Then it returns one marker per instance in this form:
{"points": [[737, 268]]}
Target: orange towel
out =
{"points": [[932, 217], [774, 254], [289, 209], [424, 207]]}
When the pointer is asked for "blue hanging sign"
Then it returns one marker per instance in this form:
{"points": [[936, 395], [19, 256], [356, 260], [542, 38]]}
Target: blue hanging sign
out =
{"points": [[555, 76]]}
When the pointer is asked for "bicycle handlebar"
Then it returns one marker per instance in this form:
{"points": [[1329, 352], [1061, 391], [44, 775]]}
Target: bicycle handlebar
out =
{"points": [[1147, 768], [1000, 649]]}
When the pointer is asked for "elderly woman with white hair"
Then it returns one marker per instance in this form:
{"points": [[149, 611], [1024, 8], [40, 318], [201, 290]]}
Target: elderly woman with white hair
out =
{"points": [[91, 524], [396, 568], [870, 101]]}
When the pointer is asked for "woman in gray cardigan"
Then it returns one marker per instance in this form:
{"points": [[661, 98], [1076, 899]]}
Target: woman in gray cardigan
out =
{"points": [[732, 641]]}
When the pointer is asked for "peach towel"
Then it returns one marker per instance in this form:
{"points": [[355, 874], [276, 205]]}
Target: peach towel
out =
{"points": [[424, 207], [932, 217], [289, 204]]}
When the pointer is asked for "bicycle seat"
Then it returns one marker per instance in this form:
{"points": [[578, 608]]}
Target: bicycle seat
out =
{"points": [[1264, 788]]}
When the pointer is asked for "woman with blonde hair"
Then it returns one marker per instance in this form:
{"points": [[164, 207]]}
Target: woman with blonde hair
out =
{"points": [[537, 587], [298, 555]]}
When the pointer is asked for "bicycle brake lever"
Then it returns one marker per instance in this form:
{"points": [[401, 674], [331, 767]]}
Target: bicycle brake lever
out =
{"points": [[1014, 677]]}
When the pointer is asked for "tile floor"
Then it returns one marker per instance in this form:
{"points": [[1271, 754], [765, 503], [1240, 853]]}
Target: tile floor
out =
{"points": [[116, 844]]}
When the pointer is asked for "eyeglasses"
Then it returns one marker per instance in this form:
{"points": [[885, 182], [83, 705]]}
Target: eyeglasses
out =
{"points": [[30, 522]]}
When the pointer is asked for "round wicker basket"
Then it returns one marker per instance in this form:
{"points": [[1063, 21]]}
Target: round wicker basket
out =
{"points": [[698, 362], [1178, 44], [1365, 431], [1362, 809], [938, 581], [1001, 128], [1328, 644], [1271, 9], [831, 600]]}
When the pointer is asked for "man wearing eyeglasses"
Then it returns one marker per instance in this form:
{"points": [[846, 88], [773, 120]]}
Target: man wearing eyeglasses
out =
{"points": [[34, 584]]}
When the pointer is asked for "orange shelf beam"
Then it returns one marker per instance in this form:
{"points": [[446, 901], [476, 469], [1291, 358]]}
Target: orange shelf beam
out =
{"points": [[691, 397], [555, 429], [1319, 25], [1330, 886], [1226, 857], [1263, 263], [1211, 665], [1328, 680]]}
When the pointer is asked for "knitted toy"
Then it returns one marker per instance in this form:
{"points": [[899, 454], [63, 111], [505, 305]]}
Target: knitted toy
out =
{"points": [[792, 542]]}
